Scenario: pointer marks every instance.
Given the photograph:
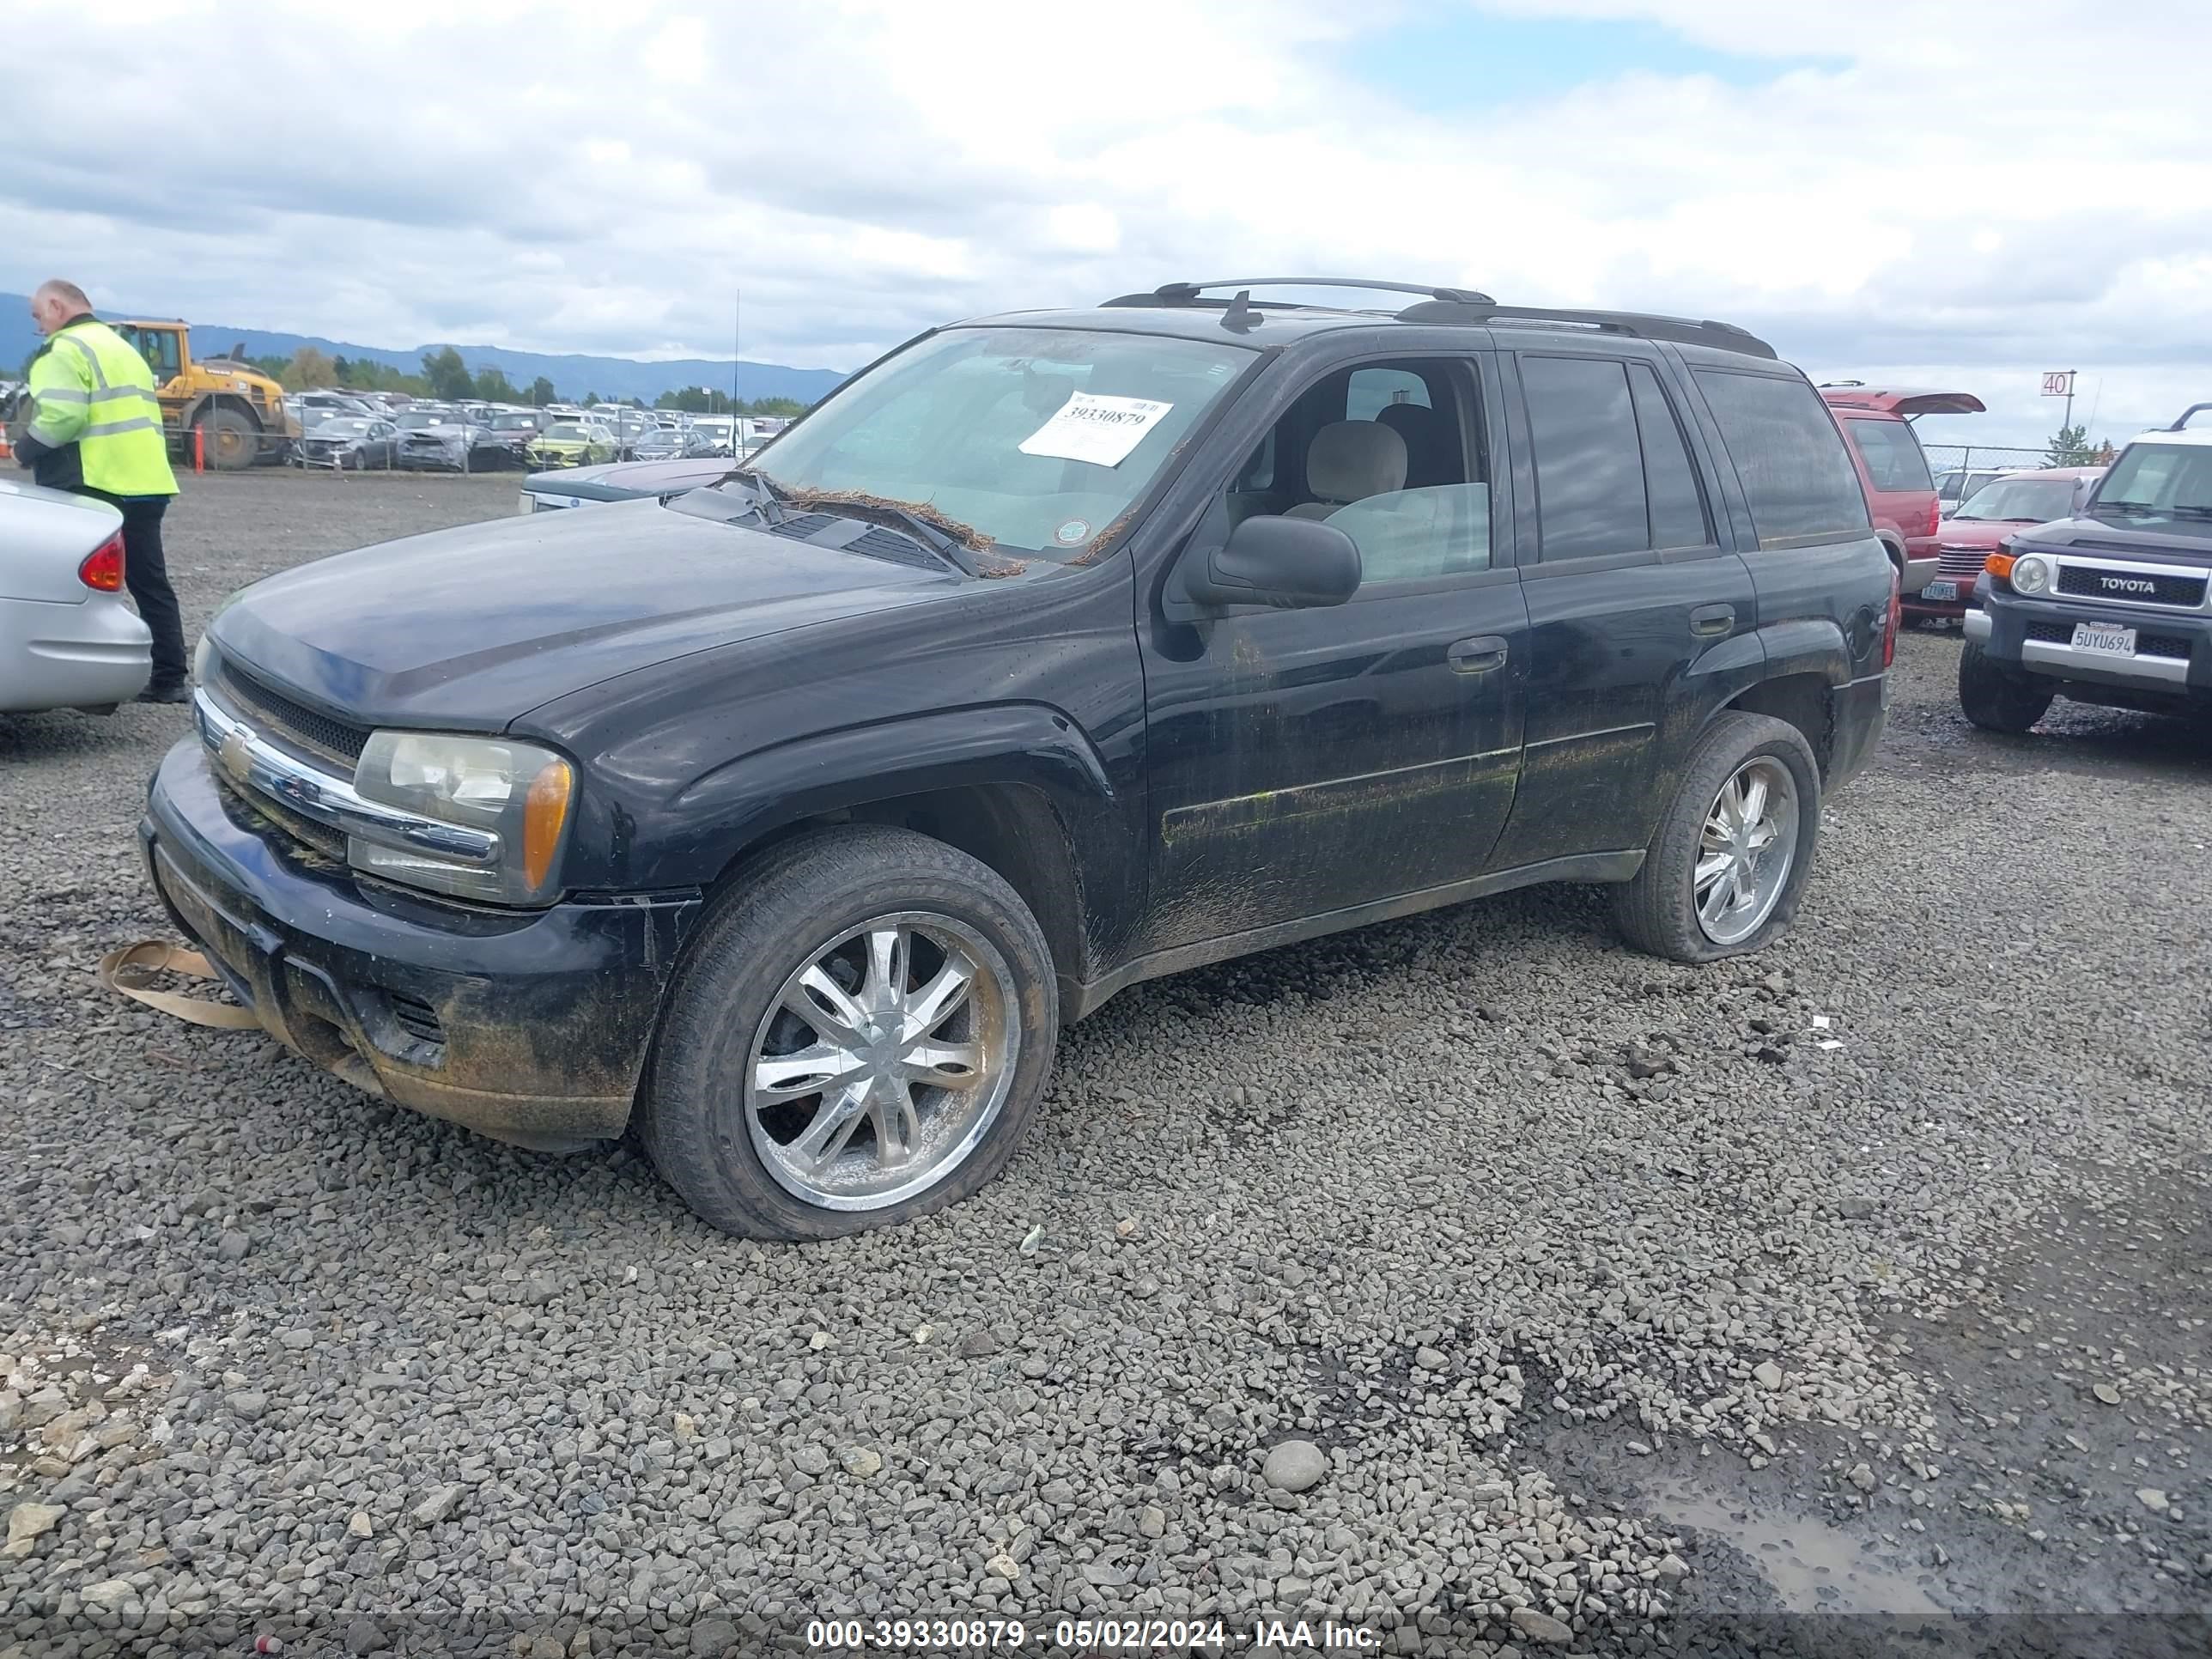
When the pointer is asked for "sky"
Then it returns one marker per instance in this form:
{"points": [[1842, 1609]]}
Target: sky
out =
{"points": [[1932, 191]]}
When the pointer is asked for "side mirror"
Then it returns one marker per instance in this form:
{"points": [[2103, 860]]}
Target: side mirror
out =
{"points": [[1285, 564]]}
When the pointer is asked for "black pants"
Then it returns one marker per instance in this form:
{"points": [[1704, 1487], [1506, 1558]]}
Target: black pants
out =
{"points": [[147, 573]]}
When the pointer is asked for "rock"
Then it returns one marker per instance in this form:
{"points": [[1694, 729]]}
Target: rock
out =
{"points": [[1862, 1477], [811, 1460], [297, 1341], [29, 1522], [1638, 1449], [248, 1403], [861, 1462], [2107, 1393], [1295, 1466], [720, 1361], [232, 1247], [1672, 1566], [978, 1344], [107, 1593], [739, 1522], [687, 1428], [2151, 1498], [364, 1636], [1003, 1565], [1542, 1626], [1767, 1374], [1152, 1520], [1035, 1367], [711, 1638], [540, 1289], [440, 1504], [1430, 1359], [361, 1525], [1058, 1493], [1855, 1209]]}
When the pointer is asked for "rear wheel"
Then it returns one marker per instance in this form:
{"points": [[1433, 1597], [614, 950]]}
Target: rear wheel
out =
{"points": [[230, 441], [1724, 872], [859, 1036], [1997, 698]]}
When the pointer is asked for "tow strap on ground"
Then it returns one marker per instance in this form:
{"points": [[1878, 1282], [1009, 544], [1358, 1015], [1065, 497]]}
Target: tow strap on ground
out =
{"points": [[126, 971]]}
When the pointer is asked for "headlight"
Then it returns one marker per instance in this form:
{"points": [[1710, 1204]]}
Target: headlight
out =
{"points": [[516, 791], [202, 660], [2030, 575]]}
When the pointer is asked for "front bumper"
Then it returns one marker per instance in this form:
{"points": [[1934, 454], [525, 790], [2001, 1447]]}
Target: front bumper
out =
{"points": [[2173, 657], [529, 1026]]}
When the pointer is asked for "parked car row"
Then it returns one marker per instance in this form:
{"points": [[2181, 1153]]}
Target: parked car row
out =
{"points": [[350, 431]]}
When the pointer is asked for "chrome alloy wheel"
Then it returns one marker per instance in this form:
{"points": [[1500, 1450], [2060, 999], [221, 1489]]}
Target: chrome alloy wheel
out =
{"points": [[1745, 854], [882, 1060]]}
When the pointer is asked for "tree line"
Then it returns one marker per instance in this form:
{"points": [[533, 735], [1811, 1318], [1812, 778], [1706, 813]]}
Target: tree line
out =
{"points": [[444, 375]]}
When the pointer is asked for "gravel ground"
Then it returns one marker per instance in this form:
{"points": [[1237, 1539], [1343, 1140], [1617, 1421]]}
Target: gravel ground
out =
{"points": [[1468, 1278]]}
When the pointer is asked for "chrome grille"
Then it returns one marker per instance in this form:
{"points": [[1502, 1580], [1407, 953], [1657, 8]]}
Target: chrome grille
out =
{"points": [[288, 721], [1960, 564]]}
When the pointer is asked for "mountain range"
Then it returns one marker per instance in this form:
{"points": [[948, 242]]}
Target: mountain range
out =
{"points": [[572, 375]]}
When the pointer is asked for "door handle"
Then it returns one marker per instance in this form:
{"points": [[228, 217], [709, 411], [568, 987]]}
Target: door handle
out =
{"points": [[1477, 655], [1712, 619]]}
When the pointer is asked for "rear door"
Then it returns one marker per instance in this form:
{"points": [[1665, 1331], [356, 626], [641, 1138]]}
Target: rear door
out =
{"points": [[1900, 491], [1627, 587]]}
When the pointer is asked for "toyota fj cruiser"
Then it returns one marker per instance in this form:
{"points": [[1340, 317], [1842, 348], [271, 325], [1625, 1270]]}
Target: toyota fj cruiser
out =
{"points": [[790, 818], [2109, 605]]}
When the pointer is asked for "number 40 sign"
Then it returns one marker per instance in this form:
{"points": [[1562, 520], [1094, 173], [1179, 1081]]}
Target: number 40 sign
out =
{"points": [[2058, 383]]}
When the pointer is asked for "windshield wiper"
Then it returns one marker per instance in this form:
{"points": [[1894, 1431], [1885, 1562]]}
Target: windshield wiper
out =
{"points": [[916, 525], [766, 490], [2123, 509], [2191, 510]]}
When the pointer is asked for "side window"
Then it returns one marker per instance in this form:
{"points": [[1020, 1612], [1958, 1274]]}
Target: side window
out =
{"points": [[1590, 466], [1391, 454], [1797, 478], [1371, 391], [1670, 479], [1893, 456]]}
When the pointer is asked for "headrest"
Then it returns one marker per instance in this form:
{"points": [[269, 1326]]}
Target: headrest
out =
{"points": [[1350, 460]]}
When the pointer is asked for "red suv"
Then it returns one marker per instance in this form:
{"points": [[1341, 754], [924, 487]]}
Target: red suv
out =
{"points": [[1900, 490]]}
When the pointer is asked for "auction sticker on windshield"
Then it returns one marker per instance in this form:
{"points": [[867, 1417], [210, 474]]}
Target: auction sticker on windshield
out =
{"points": [[1095, 427]]}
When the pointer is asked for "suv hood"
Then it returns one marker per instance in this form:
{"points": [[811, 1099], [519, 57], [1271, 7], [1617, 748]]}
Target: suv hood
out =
{"points": [[2111, 538], [469, 628]]}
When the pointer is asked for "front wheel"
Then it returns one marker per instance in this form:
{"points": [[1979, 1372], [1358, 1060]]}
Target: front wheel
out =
{"points": [[229, 441], [1726, 869], [1997, 698], [859, 1036]]}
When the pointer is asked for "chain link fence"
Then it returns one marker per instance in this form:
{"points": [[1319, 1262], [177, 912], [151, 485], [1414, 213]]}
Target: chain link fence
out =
{"points": [[1984, 457]]}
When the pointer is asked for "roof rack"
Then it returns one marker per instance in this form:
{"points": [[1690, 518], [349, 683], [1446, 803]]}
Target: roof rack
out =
{"points": [[2181, 422], [1187, 294], [1684, 331]]}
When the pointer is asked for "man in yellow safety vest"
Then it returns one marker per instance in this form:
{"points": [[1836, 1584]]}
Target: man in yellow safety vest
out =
{"points": [[95, 428]]}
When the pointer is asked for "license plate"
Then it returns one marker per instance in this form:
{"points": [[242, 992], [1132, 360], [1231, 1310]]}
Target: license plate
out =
{"points": [[1940, 591], [2104, 640]]}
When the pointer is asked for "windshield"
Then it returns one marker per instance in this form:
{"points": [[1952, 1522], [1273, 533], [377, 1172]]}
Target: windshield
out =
{"points": [[569, 430], [344, 426], [514, 423], [1039, 439], [423, 423], [2021, 500], [2166, 483]]}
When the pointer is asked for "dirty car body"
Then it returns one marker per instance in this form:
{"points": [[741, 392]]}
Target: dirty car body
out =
{"points": [[1145, 618]]}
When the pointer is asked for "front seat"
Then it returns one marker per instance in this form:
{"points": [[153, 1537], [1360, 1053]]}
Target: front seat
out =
{"points": [[1348, 461], [1429, 459]]}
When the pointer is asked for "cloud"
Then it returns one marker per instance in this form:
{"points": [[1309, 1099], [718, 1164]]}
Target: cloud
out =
{"points": [[576, 177]]}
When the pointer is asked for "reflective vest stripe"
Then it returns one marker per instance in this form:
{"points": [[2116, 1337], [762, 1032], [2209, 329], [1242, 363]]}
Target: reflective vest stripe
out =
{"points": [[109, 428], [91, 358]]}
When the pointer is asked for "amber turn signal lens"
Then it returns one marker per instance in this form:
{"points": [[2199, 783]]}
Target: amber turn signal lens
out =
{"points": [[545, 814], [1999, 565]]}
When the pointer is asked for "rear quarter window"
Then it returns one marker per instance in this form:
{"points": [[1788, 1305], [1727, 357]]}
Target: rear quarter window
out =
{"points": [[1798, 479], [1893, 456]]}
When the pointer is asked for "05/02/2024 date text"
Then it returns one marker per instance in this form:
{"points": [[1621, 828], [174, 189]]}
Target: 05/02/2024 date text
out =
{"points": [[1078, 1635]]}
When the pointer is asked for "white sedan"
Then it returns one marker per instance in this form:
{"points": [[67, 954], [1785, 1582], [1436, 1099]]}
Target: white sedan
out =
{"points": [[67, 639]]}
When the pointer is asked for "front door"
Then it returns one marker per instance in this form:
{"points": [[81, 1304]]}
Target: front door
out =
{"points": [[1304, 762]]}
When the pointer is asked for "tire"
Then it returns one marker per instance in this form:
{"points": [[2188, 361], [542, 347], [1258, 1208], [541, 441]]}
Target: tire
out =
{"points": [[1997, 698], [1661, 912], [230, 441], [737, 1156]]}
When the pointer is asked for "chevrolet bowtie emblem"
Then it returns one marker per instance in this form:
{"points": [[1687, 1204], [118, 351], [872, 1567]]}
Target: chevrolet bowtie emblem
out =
{"points": [[231, 756]]}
